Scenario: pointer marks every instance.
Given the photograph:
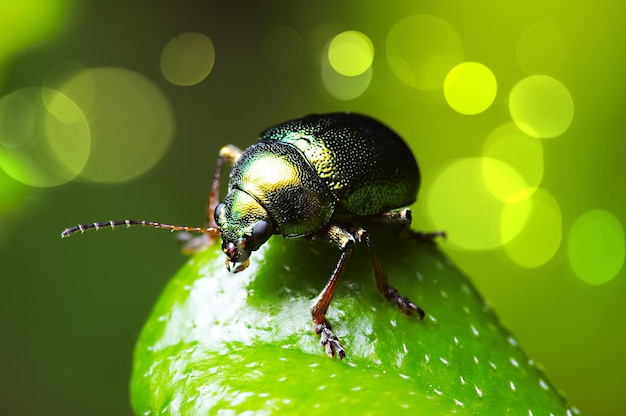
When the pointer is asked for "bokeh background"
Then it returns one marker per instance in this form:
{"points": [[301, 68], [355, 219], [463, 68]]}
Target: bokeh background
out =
{"points": [[111, 110]]}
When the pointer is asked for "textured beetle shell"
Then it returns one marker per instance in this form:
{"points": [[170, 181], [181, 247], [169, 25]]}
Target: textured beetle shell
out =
{"points": [[367, 167]]}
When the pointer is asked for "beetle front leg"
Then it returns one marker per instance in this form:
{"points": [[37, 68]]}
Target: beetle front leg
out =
{"points": [[345, 241], [321, 326], [228, 154]]}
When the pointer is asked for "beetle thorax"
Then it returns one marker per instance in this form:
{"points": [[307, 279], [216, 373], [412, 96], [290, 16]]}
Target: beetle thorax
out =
{"points": [[280, 178]]}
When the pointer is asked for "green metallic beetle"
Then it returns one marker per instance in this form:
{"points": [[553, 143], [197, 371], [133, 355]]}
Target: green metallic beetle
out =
{"points": [[319, 177]]}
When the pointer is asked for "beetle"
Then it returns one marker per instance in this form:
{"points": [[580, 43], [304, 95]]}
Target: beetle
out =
{"points": [[320, 177]]}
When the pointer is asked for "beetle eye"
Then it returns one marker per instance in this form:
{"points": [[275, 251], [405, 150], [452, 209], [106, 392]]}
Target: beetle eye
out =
{"points": [[217, 213], [261, 231]]}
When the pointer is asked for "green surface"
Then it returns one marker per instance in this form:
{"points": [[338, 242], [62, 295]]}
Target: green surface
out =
{"points": [[243, 342]]}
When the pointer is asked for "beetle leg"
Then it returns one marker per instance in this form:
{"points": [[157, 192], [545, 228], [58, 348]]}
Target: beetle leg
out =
{"points": [[382, 282], [401, 217], [404, 217], [229, 154], [429, 237], [345, 241]]}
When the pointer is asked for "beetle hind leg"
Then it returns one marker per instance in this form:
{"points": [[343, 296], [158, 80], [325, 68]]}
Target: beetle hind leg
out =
{"points": [[403, 219], [429, 237], [389, 292]]}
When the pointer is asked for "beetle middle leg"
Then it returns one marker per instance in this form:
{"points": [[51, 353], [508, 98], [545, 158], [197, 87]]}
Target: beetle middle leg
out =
{"points": [[228, 154]]}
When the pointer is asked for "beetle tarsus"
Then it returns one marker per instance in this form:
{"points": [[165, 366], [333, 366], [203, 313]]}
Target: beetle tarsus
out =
{"points": [[403, 303], [428, 238], [329, 341]]}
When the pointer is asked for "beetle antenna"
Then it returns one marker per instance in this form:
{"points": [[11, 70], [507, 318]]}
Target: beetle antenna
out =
{"points": [[112, 224]]}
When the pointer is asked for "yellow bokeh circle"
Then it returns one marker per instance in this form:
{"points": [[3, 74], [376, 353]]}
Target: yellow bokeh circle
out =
{"points": [[350, 53], [596, 247], [503, 181], [470, 88], [187, 59], [45, 139], [130, 119], [340, 86], [541, 106], [460, 201], [540, 238], [520, 151]]}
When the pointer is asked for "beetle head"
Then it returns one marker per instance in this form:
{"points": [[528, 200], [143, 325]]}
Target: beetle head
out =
{"points": [[244, 225]]}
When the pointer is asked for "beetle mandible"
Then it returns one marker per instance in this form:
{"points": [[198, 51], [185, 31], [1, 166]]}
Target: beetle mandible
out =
{"points": [[320, 177]]}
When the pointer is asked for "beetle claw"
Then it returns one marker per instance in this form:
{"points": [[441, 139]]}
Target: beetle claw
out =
{"points": [[329, 341], [428, 237], [409, 308], [403, 303]]}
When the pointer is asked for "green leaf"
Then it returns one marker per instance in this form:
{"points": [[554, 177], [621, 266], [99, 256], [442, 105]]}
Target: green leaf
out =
{"points": [[241, 342]]}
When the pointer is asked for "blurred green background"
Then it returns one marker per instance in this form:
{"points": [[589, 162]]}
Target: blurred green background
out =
{"points": [[112, 110]]}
